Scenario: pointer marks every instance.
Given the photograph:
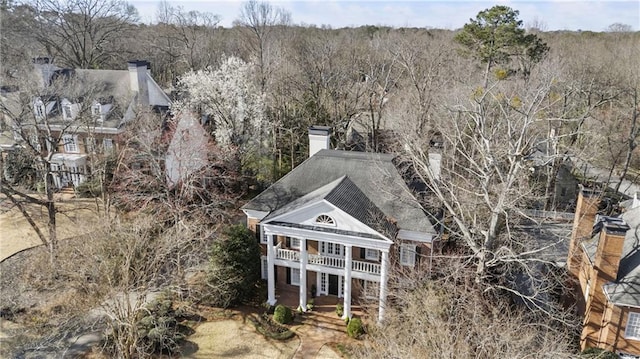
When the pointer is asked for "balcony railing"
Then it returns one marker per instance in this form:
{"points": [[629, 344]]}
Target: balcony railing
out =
{"points": [[327, 261], [335, 262]]}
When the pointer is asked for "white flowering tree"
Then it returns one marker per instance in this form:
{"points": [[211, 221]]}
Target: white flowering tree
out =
{"points": [[231, 101]]}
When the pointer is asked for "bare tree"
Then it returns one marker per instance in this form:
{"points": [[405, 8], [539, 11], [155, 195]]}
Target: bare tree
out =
{"points": [[449, 316], [84, 33], [34, 117], [261, 21], [482, 181], [184, 38]]}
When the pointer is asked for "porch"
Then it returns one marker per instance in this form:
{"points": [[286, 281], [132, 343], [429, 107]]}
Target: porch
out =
{"points": [[323, 263], [323, 305]]}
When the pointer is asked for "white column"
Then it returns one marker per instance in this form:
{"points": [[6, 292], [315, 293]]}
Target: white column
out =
{"points": [[303, 274], [271, 275], [347, 283], [384, 273]]}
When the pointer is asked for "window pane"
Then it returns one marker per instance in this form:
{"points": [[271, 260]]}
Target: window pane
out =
{"points": [[295, 276], [265, 267], [407, 254], [371, 254], [633, 326]]}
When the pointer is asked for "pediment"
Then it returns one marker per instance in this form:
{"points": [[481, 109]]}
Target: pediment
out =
{"points": [[321, 214]]}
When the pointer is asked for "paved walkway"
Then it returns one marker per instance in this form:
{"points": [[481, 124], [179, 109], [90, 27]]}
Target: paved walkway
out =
{"points": [[316, 331]]}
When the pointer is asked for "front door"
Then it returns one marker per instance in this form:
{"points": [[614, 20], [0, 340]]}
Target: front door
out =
{"points": [[333, 284]]}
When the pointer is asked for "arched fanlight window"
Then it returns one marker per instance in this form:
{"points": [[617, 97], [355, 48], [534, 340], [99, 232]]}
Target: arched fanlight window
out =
{"points": [[324, 219]]}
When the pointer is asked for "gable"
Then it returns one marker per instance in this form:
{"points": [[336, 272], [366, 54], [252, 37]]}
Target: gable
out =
{"points": [[308, 215]]}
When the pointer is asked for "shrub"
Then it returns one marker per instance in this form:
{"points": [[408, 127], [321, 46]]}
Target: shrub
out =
{"points": [[598, 353], [89, 189], [270, 329], [157, 330], [339, 309], [283, 314], [235, 268], [354, 328]]}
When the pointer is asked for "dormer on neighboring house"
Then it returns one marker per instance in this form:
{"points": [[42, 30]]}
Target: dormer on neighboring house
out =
{"points": [[100, 110], [69, 110], [44, 108], [39, 108]]}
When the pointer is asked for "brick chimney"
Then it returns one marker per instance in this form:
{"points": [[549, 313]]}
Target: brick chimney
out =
{"points": [[610, 244], [586, 209], [611, 233], [319, 139], [138, 79]]}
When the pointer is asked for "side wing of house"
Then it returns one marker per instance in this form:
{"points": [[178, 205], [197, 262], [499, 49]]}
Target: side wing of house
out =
{"points": [[607, 266]]}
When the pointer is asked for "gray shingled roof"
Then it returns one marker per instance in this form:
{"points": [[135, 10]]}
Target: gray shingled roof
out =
{"points": [[345, 195], [626, 289], [373, 174]]}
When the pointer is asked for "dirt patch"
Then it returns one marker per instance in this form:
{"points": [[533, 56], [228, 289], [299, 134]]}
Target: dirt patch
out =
{"points": [[235, 338], [76, 217]]}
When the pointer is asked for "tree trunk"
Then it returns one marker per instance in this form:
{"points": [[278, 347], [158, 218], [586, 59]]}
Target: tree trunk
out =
{"points": [[51, 212]]}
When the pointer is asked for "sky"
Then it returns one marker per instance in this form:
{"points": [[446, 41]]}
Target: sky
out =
{"points": [[550, 15]]}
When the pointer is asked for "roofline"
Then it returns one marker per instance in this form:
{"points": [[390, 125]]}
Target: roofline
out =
{"points": [[617, 304], [584, 251], [383, 243], [107, 130], [416, 236]]}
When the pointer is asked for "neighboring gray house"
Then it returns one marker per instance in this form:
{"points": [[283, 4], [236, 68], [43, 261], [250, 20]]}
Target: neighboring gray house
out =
{"points": [[336, 223], [85, 110]]}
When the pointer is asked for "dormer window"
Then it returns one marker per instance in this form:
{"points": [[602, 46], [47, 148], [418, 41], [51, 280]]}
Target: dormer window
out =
{"points": [[67, 108], [39, 108], [325, 220], [66, 112], [96, 111]]}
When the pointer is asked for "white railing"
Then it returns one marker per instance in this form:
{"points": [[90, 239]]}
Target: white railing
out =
{"points": [[335, 262], [366, 267], [326, 261], [288, 255]]}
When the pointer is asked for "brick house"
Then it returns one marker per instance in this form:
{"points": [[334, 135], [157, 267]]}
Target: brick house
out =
{"points": [[80, 113], [336, 224], [604, 256]]}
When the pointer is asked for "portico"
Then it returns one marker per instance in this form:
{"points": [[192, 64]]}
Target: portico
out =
{"points": [[334, 260]]}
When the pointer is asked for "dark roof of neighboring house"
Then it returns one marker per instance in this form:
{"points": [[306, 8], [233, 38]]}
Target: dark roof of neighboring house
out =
{"points": [[374, 175], [548, 239], [626, 289]]}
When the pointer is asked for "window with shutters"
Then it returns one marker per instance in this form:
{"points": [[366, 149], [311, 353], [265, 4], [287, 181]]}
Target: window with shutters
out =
{"points": [[107, 144], [295, 243]]}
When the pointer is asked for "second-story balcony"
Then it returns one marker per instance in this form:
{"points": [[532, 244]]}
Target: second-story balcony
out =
{"points": [[328, 261]]}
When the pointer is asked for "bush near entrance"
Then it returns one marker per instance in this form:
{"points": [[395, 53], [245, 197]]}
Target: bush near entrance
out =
{"points": [[283, 314]]}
